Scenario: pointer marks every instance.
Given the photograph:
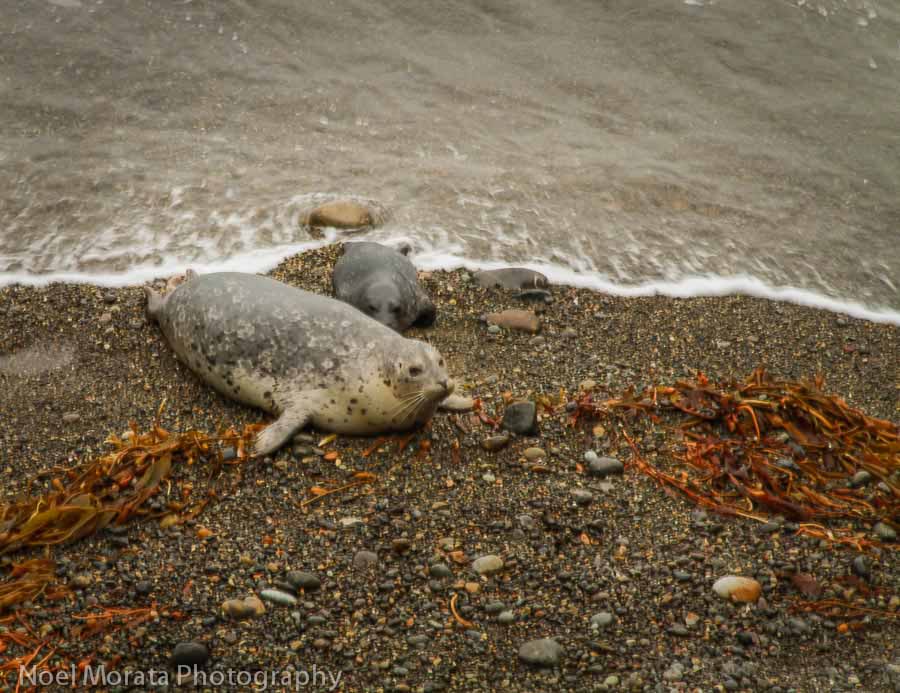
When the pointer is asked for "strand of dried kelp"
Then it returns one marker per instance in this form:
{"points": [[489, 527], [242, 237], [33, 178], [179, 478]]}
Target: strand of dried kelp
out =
{"points": [[769, 446], [111, 489]]}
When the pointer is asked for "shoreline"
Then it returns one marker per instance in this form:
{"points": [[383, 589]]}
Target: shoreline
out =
{"points": [[88, 363], [692, 286]]}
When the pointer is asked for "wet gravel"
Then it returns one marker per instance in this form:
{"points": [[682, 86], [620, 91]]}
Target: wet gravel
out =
{"points": [[609, 575]]}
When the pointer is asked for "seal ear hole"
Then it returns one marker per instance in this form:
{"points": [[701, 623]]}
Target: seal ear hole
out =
{"points": [[415, 371]]}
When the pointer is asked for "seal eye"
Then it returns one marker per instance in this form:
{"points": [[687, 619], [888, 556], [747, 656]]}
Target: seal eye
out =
{"points": [[372, 308], [415, 371], [395, 310]]}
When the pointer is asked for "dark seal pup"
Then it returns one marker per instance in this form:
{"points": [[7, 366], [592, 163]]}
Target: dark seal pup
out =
{"points": [[383, 284], [304, 357]]}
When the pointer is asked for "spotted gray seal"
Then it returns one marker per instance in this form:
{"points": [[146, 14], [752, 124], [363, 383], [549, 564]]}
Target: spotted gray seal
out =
{"points": [[383, 284], [304, 357]]}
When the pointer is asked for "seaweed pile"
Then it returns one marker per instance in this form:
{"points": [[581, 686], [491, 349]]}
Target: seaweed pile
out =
{"points": [[110, 490], [765, 448]]}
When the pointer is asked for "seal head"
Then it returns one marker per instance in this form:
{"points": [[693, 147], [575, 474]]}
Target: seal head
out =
{"points": [[304, 357], [383, 284]]}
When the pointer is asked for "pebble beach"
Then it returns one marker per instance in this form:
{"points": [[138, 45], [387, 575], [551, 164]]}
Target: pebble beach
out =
{"points": [[476, 560]]}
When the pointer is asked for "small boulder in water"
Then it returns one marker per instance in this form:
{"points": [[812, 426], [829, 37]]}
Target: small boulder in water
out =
{"points": [[341, 214]]}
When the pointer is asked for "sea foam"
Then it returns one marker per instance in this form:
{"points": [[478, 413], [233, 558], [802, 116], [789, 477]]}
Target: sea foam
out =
{"points": [[429, 259]]}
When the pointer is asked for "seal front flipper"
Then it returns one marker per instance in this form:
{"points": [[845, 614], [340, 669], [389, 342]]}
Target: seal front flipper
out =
{"points": [[281, 430], [155, 303]]}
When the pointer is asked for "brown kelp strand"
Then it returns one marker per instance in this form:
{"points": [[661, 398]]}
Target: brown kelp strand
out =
{"points": [[109, 490], [767, 447]]}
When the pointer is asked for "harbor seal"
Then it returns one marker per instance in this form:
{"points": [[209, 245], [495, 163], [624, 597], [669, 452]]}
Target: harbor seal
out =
{"points": [[304, 357], [383, 284]]}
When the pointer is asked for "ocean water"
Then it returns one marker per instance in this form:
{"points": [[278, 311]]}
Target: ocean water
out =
{"points": [[684, 147]]}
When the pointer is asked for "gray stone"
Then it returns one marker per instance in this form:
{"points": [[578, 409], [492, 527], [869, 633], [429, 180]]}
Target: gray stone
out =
{"points": [[798, 625], [527, 522], [511, 278], [602, 620], [487, 565], [674, 672], [602, 466], [885, 532], [861, 478], [278, 597], [440, 570], [365, 560], [521, 418], [300, 580], [582, 496], [544, 652], [190, 654]]}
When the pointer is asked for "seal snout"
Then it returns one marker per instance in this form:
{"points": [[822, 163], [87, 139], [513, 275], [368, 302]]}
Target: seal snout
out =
{"points": [[441, 389]]}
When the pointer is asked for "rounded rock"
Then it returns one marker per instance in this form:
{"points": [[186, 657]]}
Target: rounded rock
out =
{"points": [[278, 597], [301, 580], [603, 466], [521, 418], [885, 532], [737, 588], [861, 567], [487, 565], [602, 620], [190, 654], [440, 570], [493, 443], [241, 609], [544, 652], [861, 478], [365, 560], [582, 496]]}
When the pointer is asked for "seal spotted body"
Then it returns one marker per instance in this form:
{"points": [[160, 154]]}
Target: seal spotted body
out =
{"points": [[304, 357], [383, 284]]}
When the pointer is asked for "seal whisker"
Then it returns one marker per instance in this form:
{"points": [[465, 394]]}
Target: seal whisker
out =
{"points": [[402, 401], [408, 407], [410, 395]]}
